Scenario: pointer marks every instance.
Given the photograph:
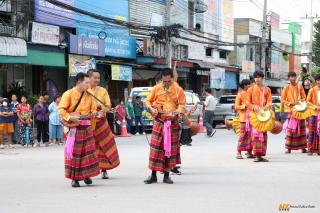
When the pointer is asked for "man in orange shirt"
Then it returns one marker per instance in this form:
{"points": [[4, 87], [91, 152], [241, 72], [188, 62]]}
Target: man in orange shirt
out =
{"points": [[105, 143], [259, 98], [82, 163], [295, 136], [165, 102], [313, 101], [244, 142]]}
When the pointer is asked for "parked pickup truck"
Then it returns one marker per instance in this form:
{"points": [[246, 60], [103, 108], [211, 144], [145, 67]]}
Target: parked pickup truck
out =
{"points": [[224, 109]]}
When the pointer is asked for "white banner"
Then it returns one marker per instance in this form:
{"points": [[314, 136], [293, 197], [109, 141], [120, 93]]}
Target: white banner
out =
{"points": [[45, 34]]}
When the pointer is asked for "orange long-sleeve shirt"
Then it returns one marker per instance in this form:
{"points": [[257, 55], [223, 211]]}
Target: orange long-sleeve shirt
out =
{"points": [[240, 105], [312, 100], [254, 97], [290, 94], [171, 100], [69, 100], [102, 94]]}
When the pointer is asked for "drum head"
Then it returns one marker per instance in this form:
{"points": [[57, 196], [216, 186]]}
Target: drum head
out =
{"points": [[264, 116], [302, 106]]}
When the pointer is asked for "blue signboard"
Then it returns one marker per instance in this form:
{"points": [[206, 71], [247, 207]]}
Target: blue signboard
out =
{"points": [[86, 46], [48, 13], [115, 45]]}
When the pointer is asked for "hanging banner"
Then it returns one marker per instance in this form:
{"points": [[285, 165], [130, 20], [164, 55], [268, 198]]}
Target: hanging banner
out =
{"points": [[78, 63], [121, 73]]}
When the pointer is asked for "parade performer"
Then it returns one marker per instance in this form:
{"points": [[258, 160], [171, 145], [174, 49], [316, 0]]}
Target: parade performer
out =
{"points": [[105, 142], [292, 95], [259, 99], [313, 101], [165, 102], [81, 161], [244, 141]]}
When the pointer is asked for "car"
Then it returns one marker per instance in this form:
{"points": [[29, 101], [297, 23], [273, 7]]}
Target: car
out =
{"points": [[191, 99], [224, 109]]}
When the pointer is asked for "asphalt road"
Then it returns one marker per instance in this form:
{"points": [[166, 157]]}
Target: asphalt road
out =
{"points": [[32, 181]]}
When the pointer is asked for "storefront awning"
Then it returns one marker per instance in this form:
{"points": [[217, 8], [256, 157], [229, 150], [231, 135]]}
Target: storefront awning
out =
{"points": [[12, 46], [203, 64], [12, 50], [46, 56]]}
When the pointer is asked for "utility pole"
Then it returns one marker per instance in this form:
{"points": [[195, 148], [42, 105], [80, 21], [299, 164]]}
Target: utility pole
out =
{"points": [[264, 34], [168, 36], [311, 34]]}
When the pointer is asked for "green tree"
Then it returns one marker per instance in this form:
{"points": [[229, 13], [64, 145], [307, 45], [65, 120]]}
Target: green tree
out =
{"points": [[316, 45]]}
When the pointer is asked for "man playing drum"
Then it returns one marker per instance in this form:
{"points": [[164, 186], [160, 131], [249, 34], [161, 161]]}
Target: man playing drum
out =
{"points": [[259, 99], [165, 102], [294, 95], [313, 100]]}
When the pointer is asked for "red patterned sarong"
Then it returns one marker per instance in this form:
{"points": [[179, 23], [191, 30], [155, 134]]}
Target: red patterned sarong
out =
{"points": [[84, 163], [259, 146], [296, 138], [157, 159], [106, 146], [244, 142]]}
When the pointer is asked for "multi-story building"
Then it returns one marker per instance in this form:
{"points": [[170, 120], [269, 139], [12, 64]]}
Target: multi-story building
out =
{"points": [[201, 61], [282, 52]]}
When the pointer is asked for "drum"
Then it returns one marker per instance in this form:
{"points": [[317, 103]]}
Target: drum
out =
{"points": [[262, 121], [194, 127], [277, 129], [301, 111], [236, 125]]}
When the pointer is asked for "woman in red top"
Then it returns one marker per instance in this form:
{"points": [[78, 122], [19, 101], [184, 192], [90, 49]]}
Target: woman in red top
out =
{"points": [[24, 112]]}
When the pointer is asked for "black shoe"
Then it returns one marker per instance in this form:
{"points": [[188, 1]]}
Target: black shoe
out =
{"points": [[151, 179], [189, 144], [75, 183], [104, 175], [88, 181], [167, 180], [176, 171]]}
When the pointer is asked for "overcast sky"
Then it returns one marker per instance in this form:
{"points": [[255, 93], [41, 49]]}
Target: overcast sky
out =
{"points": [[289, 10]]}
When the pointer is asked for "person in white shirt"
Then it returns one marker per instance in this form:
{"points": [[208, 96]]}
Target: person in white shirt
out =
{"points": [[210, 105]]}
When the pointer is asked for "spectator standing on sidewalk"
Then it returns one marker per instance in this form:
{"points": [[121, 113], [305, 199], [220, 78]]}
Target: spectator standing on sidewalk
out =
{"points": [[129, 114], [6, 122], [24, 112], [41, 115], [210, 105], [14, 104], [138, 108], [55, 127]]}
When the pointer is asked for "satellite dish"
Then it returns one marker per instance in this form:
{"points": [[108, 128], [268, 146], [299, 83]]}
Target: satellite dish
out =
{"points": [[200, 7]]}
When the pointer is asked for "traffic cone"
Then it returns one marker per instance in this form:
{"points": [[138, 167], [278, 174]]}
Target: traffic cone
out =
{"points": [[201, 127], [124, 132]]}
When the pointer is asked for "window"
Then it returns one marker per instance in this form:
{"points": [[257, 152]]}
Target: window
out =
{"points": [[223, 54], [227, 100], [209, 52], [251, 54]]}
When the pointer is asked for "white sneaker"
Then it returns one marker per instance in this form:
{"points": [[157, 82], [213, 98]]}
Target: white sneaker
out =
{"points": [[11, 146], [144, 133], [1, 146], [137, 133], [36, 144]]}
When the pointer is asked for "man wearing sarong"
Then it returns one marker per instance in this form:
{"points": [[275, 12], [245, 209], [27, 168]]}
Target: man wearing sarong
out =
{"points": [[259, 98], [83, 162], [296, 132], [165, 102], [106, 146], [313, 101], [244, 141]]}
